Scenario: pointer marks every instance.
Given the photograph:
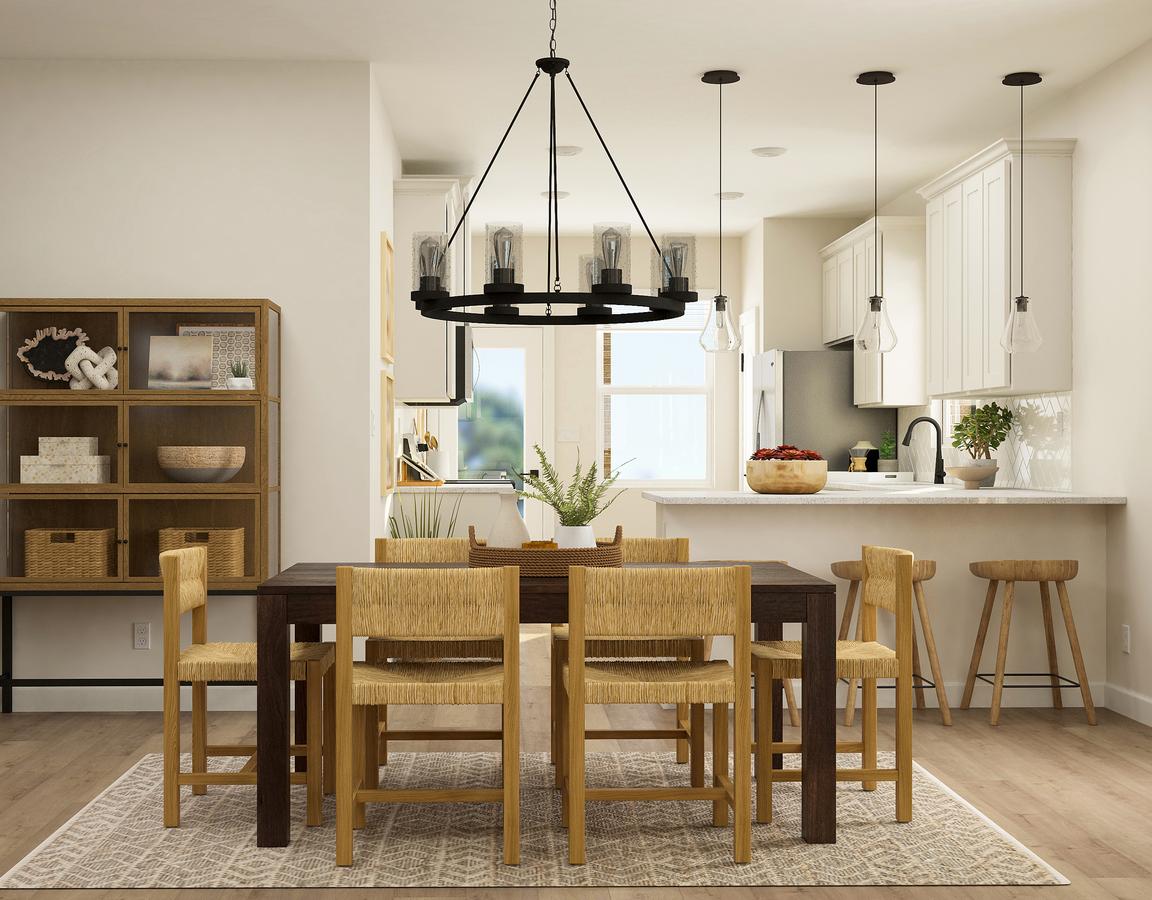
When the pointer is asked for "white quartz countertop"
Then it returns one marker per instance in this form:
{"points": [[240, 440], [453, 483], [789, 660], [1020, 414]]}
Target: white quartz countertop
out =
{"points": [[907, 494], [474, 487]]}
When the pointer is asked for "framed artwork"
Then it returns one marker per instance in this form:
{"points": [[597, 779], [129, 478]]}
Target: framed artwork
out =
{"points": [[180, 363], [230, 343], [387, 298], [387, 433]]}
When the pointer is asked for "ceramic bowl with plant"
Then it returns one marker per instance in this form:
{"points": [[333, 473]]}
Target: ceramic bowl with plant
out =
{"points": [[786, 470], [979, 432], [576, 502]]}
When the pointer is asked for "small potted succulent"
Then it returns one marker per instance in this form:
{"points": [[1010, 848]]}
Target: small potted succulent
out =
{"points": [[576, 503], [786, 470], [888, 461], [239, 378], [979, 432]]}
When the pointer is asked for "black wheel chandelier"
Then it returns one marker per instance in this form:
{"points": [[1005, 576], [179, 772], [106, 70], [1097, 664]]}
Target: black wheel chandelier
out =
{"points": [[504, 299]]}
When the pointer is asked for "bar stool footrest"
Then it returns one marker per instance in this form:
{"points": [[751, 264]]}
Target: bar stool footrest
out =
{"points": [[989, 678]]}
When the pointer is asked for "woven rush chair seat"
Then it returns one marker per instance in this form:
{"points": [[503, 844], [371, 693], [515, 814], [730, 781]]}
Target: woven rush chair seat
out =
{"points": [[854, 659], [612, 647], [221, 661], [657, 681], [439, 682], [853, 570]]}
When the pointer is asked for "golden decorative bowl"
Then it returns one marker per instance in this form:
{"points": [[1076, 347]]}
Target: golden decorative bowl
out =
{"points": [[201, 465], [787, 476]]}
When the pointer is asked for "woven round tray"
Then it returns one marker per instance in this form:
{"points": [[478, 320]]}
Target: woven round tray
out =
{"points": [[545, 561]]}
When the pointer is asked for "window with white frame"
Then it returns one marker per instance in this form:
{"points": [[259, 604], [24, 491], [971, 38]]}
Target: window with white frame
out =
{"points": [[654, 397]]}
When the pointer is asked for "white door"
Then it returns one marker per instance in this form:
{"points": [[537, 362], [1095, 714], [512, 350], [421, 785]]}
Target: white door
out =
{"points": [[750, 347], [511, 401]]}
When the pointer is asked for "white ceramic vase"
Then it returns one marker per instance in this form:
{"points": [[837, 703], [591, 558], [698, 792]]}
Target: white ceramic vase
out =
{"points": [[240, 384], [572, 537], [509, 529]]}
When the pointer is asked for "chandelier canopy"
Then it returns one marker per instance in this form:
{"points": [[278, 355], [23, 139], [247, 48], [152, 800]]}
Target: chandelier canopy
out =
{"points": [[504, 300]]}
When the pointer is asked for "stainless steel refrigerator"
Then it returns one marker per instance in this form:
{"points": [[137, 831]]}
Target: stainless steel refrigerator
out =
{"points": [[804, 398]]}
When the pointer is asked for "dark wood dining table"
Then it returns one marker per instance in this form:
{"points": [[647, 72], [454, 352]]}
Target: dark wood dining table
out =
{"points": [[304, 596]]}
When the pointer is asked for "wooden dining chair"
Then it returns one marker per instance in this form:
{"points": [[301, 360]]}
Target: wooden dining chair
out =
{"points": [[185, 578], [426, 550], [887, 584], [647, 604], [429, 604]]}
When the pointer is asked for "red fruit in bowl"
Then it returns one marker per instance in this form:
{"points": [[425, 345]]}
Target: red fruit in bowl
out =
{"points": [[786, 452]]}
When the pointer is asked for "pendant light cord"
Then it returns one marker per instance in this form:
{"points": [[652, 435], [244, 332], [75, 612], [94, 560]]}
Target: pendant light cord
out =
{"points": [[720, 190], [875, 190], [1021, 190]]}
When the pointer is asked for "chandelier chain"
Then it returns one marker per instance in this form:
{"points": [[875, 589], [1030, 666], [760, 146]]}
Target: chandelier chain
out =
{"points": [[552, 28]]}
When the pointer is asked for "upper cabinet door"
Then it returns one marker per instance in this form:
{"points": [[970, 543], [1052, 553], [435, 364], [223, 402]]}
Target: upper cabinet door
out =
{"points": [[972, 284], [845, 295], [996, 289], [831, 306], [860, 393], [934, 265], [952, 351]]}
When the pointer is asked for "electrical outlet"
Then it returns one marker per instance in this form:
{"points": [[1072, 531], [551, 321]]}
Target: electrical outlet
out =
{"points": [[141, 635], [1125, 639]]}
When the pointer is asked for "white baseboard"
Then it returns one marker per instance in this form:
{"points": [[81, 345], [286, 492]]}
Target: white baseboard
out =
{"points": [[1127, 703], [223, 698]]}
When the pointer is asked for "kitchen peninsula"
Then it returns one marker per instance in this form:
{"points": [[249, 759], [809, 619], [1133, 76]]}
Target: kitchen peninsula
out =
{"points": [[947, 524]]}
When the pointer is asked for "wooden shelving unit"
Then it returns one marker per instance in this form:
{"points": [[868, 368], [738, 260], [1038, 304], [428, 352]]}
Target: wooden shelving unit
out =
{"points": [[130, 422]]}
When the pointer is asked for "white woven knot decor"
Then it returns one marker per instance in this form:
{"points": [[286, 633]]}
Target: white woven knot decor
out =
{"points": [[90, 369]]}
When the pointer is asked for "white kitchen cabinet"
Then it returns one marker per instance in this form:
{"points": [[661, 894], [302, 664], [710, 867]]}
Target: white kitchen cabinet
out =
{"points": [[973, 259], [432, 358], [896, 378]]}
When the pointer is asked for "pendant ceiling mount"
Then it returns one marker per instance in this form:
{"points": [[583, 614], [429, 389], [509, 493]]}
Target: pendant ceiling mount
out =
{"points": [[504, 296], [1021, 79], [720, 76], [875, 79]]}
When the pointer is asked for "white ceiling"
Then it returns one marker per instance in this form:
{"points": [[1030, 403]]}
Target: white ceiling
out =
{"points": [[453, 72]]}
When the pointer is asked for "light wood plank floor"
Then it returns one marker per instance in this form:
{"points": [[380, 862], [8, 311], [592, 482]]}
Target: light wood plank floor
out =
{"points": [[1078, 796]]}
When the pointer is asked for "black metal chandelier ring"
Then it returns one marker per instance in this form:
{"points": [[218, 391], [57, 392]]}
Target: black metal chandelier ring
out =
{"points": [[503, 296]]}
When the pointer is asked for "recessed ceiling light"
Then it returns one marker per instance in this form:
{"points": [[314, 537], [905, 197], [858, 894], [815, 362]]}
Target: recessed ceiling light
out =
{"points": [[769, 151], [568, 150], [560, 195], [729, 195]]}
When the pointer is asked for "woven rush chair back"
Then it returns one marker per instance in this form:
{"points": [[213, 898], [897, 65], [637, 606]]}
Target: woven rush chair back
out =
{"points": [[667, 602], [655, 550], [427, 603], [185, 576], [888, 585], [421, 550]]}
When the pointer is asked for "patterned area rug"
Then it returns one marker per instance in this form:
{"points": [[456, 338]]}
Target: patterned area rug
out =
{"points": [[117, 840]]}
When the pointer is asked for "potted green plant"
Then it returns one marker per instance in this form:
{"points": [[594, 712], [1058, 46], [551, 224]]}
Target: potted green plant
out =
{"points": [[576, 502], [888, 461], [979, 432], [239, 377]]}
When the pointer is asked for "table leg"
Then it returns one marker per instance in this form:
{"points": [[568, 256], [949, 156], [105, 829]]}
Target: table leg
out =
{"points": [[818, 788], [774, 693], [272, 793], [310, 633], [6, 654]]}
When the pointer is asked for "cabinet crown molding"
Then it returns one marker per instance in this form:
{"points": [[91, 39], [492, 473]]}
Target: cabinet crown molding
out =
{"points": [[864, 230], [994, 153]]}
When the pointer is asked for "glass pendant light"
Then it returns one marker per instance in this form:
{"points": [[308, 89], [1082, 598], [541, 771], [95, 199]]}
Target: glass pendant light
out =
{"points": [[719, 335], [876, 334], [433, 256], [1021, 333]]}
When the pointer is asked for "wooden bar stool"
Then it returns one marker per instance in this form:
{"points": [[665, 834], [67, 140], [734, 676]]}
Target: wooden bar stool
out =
{"points": [[1044, 571], [852, 571], [185, 576]]}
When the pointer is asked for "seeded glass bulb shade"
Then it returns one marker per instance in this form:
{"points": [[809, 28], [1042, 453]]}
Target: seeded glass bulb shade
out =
{"points": [[719, 335], [876, 334], [1021, 333], [676, 257], [432, 257], [503, 244], [611, 244]]}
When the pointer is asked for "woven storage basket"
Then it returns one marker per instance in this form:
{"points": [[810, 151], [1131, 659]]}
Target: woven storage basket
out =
{"points": [[545, 561], [60, 554], [225, 547]]}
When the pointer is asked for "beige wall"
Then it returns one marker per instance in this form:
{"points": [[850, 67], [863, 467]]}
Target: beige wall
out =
{"points": [[1112, 317], [205, 179]]}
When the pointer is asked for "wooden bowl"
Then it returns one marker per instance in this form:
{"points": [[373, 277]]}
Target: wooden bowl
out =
{"points": [[787, 476], [201, 465], [973, 476]]}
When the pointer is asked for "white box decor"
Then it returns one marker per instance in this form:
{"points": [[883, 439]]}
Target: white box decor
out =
{"points": [[66, 460]]}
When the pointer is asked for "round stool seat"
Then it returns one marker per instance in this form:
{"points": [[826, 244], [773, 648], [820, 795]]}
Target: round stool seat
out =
{"points": [[1025, 569], [853, 569]]}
